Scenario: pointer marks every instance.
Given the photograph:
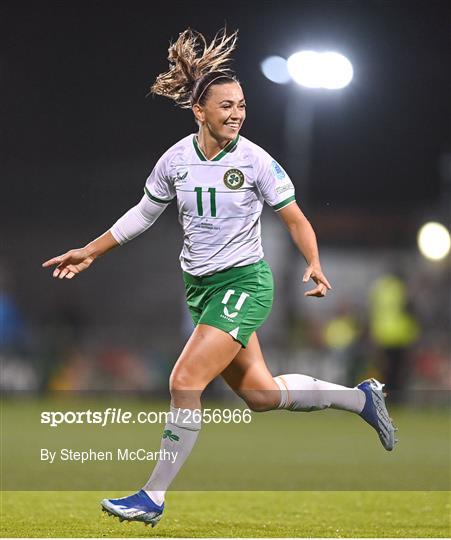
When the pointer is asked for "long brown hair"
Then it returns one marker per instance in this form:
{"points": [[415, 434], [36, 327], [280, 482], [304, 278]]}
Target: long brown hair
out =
{"points": [[195, 66]]}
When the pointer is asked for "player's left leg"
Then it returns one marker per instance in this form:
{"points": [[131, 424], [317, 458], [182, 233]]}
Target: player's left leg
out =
{"points": [[250, 378]]}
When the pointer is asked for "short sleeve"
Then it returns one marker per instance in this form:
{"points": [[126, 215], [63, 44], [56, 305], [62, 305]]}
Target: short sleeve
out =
{"points": [[159, 187], [274, 183]]}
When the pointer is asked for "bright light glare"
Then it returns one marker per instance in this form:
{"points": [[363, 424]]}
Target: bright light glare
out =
{"points": [[312, 69], [434, 241], [275, 69], [303, 67], [337, 70]]}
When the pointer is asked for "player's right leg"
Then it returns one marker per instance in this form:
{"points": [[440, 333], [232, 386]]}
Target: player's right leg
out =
{"points": [[136, 507], [207, 353]]}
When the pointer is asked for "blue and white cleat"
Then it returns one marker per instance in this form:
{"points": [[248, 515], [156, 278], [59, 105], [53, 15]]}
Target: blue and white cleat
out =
{"points": [[136, 507], [376, 414]]}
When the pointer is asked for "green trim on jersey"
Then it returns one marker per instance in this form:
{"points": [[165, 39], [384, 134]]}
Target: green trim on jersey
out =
{"points": [[227, 148], [284, 203], [155, 199]]}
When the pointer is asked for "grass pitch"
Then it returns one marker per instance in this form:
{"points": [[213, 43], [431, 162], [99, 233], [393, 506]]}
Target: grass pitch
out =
{"points": [[317, 467], [276, 451], [235, 514]]}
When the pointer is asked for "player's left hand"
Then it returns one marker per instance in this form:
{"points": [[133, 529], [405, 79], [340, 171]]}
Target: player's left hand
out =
{"points": [[313, 271]]}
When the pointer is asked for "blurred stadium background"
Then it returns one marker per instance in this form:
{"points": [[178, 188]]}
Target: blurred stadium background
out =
{"points": [[372, 166]]}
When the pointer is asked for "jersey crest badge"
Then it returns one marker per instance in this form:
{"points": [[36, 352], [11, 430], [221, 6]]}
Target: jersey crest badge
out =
{"points": [[233, 179]]}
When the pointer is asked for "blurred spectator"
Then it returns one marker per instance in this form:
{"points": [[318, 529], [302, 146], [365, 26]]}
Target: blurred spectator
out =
{"points": [[17, 371], [74, 372], [12, 325], [343, 335], [123, 370], [432, 364], [393, 328]]}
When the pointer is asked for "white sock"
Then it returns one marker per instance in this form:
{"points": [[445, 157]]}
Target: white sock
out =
{"points": [[304, 393], [179, 436]]}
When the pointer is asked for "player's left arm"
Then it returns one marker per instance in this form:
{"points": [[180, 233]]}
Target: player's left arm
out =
{"points": [[304, 237]]}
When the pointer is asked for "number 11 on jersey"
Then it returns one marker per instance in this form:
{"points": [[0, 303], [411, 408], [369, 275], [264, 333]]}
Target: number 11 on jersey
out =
{"points": [[200, 207]]}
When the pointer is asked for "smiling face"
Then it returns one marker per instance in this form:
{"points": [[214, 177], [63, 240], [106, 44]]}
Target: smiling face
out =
{"points": [[223, 112]]}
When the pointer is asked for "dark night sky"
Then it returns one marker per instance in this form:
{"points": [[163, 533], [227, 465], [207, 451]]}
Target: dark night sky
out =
{"points": [[79, 131]]}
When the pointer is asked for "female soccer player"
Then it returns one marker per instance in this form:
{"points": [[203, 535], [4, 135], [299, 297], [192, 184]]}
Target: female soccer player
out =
{"points": [[220, 181]]}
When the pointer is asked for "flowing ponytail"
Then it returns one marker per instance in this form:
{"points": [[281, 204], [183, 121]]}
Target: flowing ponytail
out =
{"points": [[194, 66]]}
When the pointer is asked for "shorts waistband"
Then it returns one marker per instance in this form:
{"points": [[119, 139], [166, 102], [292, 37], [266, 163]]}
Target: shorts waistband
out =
{"points": [[223, 275]]}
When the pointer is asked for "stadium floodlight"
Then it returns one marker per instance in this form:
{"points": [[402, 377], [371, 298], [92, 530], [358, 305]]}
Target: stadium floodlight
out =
{"points": [[275, 69], [329, 70], [434, 241]]}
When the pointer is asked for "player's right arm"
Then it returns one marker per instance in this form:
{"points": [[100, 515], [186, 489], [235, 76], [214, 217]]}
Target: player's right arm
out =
{"points": [[158, 194], [76, 260], [134, 222]]}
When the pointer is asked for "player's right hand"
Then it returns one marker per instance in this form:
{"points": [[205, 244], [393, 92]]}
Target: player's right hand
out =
{"points": [[70, 264]]}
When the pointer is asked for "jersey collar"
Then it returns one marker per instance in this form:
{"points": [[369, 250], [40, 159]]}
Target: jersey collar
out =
{"points": [[227, 148]]}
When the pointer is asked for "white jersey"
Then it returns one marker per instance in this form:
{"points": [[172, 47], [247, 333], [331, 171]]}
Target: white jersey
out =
{"points": [[219, 200]]}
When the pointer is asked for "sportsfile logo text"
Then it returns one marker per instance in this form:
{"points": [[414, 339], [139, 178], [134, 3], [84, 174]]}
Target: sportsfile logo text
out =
{"points": [[113, 415]]}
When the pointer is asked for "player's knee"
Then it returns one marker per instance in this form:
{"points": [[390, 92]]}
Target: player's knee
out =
{"points": [[178, 381], [181, 381]]}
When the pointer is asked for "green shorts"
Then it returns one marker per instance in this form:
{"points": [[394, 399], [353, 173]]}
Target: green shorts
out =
{"points": [[237, 300]]}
